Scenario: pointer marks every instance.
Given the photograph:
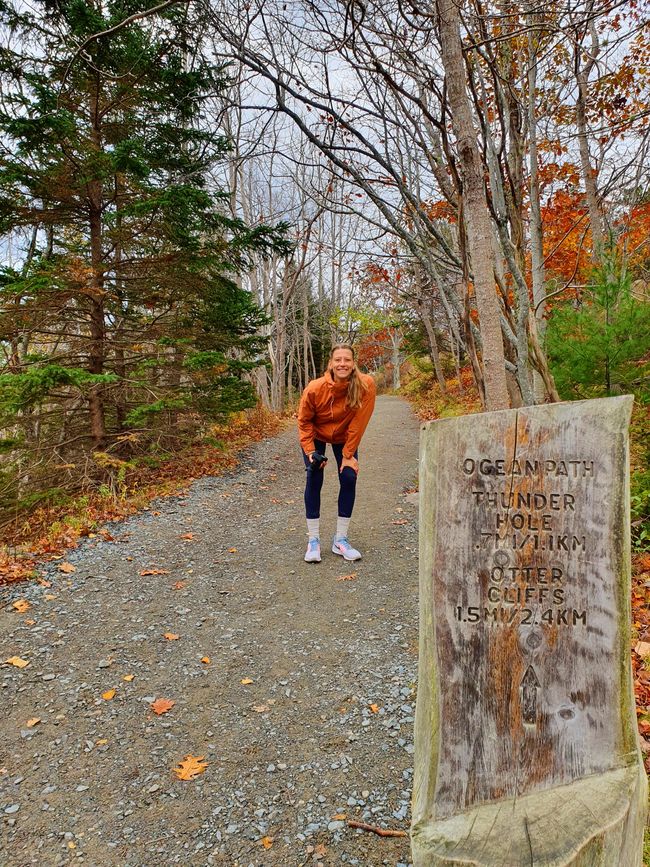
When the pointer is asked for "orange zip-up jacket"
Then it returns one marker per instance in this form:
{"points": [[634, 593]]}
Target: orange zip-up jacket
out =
{"points": [[324, 414]]}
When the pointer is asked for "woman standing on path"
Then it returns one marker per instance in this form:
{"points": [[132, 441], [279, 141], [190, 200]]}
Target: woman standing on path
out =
{"points": [[335, 409]]}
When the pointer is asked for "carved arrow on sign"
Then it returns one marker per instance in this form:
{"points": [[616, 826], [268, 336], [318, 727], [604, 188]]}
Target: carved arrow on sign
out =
{"points": [[529, 686]]}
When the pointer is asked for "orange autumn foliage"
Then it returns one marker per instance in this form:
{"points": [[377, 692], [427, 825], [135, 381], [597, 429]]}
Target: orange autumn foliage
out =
{"points": [[162, 705], [641, 627], [190, 768], [567, 239], [439, 210]]}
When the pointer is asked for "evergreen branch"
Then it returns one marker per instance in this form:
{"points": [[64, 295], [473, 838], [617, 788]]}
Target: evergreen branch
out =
{"points": [[137, 16]]}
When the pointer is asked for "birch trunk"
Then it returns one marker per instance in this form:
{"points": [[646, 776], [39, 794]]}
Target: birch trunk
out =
{"points": [[536, 234], [479, 228], [589, 172]]}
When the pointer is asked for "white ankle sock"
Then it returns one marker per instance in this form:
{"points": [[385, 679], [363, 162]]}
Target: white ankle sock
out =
{"points": [[313, 528], [342, 525]]}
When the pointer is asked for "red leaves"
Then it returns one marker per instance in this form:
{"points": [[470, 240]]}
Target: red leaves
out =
{"points": [[162, 705], [641, 625]]}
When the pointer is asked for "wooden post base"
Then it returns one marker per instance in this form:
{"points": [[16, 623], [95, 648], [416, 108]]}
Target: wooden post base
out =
{"points": [[594, 822]]}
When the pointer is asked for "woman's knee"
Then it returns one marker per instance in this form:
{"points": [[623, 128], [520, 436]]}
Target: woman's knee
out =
{"points": [[348, 477]]}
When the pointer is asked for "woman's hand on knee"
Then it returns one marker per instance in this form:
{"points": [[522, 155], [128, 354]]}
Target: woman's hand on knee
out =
{"points": [[353, 463]]}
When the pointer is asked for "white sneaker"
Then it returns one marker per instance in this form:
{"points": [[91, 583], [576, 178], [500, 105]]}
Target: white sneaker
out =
{"points": [[312, 554], [342, 546]]}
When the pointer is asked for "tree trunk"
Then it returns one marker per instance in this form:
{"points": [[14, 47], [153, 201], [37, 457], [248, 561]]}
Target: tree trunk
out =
{"points": [[473, 355], [536, 232], [589, 173], [479, 228], [96, 352], [433, 341], [396, 342]]}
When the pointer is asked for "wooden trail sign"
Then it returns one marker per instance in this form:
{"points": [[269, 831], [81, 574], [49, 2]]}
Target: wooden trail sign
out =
{"points": [[526, 749]]}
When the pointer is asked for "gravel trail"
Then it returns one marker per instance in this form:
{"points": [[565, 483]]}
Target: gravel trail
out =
{"points": [[296, 686]]}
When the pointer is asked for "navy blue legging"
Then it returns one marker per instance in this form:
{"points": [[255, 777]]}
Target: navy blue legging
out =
{"points": [[314, 483]]}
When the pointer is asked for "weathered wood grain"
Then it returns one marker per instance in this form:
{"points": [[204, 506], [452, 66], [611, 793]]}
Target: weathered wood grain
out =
{"points": [[525, 683], [596, 822]]}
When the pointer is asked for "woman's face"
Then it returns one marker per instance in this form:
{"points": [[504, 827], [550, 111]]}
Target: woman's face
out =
{"points": [[342, 364]]}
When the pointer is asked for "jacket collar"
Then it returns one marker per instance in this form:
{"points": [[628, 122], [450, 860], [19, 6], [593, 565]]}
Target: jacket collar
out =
{"points": [[335, 387]]}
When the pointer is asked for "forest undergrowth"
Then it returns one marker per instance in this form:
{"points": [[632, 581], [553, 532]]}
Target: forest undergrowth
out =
{"points": [[47, 531]]}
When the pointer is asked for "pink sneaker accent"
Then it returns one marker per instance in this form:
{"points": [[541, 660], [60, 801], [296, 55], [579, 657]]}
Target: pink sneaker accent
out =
{"points": [[343, 547]]}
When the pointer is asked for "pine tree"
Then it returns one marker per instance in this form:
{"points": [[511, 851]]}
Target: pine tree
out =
{"points": [[601, 346], [123, 308]]}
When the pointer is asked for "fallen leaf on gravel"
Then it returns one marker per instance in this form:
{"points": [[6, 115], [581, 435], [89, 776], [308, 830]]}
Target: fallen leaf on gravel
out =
{"points": [[128, 677], [321, 850], [66, 567], [29, 622], [154, 571], [246, 681], [44, 583], [260, 708], [162, 705], [400, 522], [109, 694], [349, 577], [171, 636], [267, 842], [101, 742], [232, 550], [34, 721], [17, 662], [49, 596], [22, 605], [205, 660], [374, 708], [71, 845], [190, 767], [188, 537], [179, 585], [339, 817]]}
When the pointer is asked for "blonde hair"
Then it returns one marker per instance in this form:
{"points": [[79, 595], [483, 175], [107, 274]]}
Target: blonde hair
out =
{"points": [[356, 388]]}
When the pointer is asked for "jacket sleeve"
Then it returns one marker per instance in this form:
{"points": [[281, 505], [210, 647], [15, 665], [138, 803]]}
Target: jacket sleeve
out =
{"points": [[306, 414], [361, 418]]}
